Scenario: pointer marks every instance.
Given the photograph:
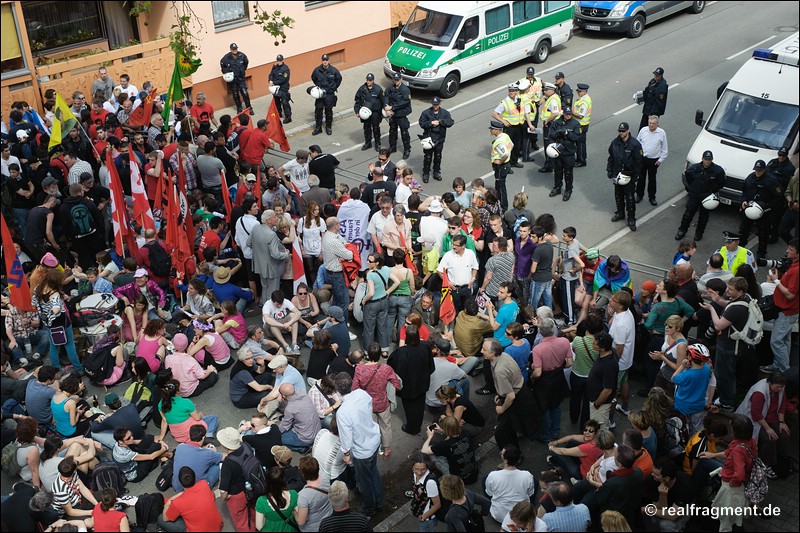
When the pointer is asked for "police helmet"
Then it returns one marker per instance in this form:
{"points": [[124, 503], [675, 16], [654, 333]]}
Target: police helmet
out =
{"points": [[554, 150], [754, 211], [711, 202], [316, 92], [427, 143], [227, 76], [274, 89], [621, 179], [524, 84], [364, 113]]}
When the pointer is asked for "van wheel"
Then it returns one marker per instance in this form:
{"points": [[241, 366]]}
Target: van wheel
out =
{"points": [[542, 52], [637, 26], [697, 7], [450, 85]]}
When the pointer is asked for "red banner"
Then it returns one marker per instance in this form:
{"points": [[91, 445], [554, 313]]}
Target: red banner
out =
{"points": [[447, 309], [18, 288], [275, 127]]}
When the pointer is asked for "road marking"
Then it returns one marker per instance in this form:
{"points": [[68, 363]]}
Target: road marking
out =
{"points": [[501, 88], [634, 105], [749, 48], [649, 216]]}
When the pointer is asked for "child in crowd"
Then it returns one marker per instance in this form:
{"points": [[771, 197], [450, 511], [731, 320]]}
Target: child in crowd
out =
{"points": [[686, 250], [462, 196]]}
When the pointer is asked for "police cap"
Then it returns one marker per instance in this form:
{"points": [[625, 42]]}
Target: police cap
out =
{"points": [[513, 87], [731, 236], [397, 77], [582, 87], [708, 154], [567, 111], [325, 57], [279, 58], [549, 86], [370, 76], [623, 126], [760, 165], [659, 71], [494, 125], [559, 74], [783, 151], [436, 101], [531, 70], [234, 46]]}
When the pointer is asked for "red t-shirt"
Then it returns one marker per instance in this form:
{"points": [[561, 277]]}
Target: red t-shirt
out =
{"points": [[197, 507], [258, 142], [590, 454], [150, 182], [424, 333], [244, 139], [100, 146], [210, 239], [107, 520], [169, 150], [790, 281], [98, 119], [202, 113]]}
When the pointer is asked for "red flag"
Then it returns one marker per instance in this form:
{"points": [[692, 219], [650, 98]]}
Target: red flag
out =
{"points": [[235, 120], [141, 206], [447, 309], [176, 239], [226, 197], [275, 127], [20, 291], [297, 264], [119, 211], [140, 117]]}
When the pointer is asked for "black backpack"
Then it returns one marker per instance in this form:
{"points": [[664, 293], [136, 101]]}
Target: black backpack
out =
{"points": [[108, 475], [160, 262], [252, 471], [148, 508], [82, 219], [99, 365], [474, 520], [420, 501]]}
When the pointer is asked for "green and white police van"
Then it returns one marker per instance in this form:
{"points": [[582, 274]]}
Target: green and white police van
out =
{"points": [[444, 44]]}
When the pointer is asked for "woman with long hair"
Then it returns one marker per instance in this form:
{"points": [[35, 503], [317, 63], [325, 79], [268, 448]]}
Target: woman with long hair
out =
{"points": [[55, 449], [401, 287], [326, 399], [135, 319], [106, 517], [274, 510], [179, 414], [373, 376], [48, 302], [463, 410], [310, 228], [208, 346], [471, 224], [575, 454], [152, 346], [672, 354], [305, 302], [666, 306], [112, 339], [753, 287], [322, 354], [105, 265], [70, 417], [656, 409], [200, 303], [230, 323]]}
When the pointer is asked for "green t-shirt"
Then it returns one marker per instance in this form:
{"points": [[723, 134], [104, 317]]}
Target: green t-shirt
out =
{"points": [[181, 409], [585, 356]]}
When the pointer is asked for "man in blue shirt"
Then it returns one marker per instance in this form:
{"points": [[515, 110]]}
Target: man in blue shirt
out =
{"points": [[499, 319], [284, 373], [224, 290], [204, 461]]}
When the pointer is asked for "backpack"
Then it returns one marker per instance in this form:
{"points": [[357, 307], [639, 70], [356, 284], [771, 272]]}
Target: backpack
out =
{"points": [[108, 475], [9, 459], [82, 219], [160, 262], [757, 486], [252, 471], [675, 437], [421, 499], [474, 520], [99, 365], [753, 329], [164, 479], [520, 219], [148, 508]]}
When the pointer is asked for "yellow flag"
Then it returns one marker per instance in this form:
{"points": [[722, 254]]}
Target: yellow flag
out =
{"points": [[63, 122]]}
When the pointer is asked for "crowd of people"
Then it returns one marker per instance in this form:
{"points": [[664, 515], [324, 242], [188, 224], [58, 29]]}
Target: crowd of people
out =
{"points": [[448, 289]]}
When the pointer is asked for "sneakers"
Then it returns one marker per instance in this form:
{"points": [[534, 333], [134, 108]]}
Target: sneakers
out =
{"points": [[36, 356], [723, 407], [23, 361], [484, 391], [296, 349], [550, 461], [287, 349], [612, 424], [765, 369], [622, 410], [409, 494]]}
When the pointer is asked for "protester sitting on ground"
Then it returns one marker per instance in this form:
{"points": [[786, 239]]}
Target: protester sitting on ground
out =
{"points": [[249, 380], [203, 459], [469, 417], [766, 405], [194, 509], [230, 323], [71, 497], [208, 346], [153, 344], [30, 446], [105, 514], [299, 425], [193, 379], [640, 424], [137, 457], [260, 345], [455, 454], [55, 450], [322, 355], [135, 319], [71, 416], [179, 414], [575, 454]]}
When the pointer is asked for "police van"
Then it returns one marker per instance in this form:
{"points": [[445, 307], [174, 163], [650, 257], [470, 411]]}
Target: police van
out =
{"points": [[755, 115], [444, 44]]}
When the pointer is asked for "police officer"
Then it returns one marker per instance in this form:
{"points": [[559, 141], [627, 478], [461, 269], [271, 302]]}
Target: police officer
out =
{"points": [[625, 157], [655, 97], [279, 76], [370, 95], [236, 62], [702, 179], [328, 78], [551, 110], [782, 169], [434, 122], [566, 131], [763, 188], [582, 111], [563, 90], [500, 157], [513, 112], [535, 99], [397, 103]]}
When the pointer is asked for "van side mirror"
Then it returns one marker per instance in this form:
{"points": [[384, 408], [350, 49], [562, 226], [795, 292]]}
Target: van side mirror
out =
{"points": [[698, 118], [460, 43]]}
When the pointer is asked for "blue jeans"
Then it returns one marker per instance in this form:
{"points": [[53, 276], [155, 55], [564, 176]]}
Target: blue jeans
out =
{"points": [[72, 353], [541, 290], [21, 214], [289, 439], [470, 364], [106, 438], [375, 317], [462, 385], [429, 525], [781, 340], [551, 424], [399, 308], [213, 423], [40, 342], [570, 465], [368, 481], [340, 294]]}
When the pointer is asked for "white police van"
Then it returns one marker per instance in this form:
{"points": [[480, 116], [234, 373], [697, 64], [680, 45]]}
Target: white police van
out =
{"points": [[755, 115], [628, 17], [444, 44]]}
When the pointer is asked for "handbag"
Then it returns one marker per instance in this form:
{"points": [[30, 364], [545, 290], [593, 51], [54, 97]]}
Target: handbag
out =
{"points": [[769, 310], [288, 521], [58, 335]]}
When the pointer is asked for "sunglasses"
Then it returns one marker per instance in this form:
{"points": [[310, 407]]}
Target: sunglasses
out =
{"points": [[302, 293], [382, 160]]}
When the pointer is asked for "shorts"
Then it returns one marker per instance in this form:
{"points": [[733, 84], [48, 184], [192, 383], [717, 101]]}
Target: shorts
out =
{"points": [[622, 378]]}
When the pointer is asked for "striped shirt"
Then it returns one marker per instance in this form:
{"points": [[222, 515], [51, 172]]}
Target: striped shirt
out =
{"points": [[66, 492], [332, 250], [348, 520], [568, 518], [502, 268]]}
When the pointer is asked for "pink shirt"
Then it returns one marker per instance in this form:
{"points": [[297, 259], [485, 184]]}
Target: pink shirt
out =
{"points": [[551, 353], [147, 349], [374, 382], [239, 331], [186, 370], [220, 351]]}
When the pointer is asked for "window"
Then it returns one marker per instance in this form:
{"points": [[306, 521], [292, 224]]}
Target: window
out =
{"points": [[525, 11], [431, 27], [314, 5], [12, 49], [497, 19], [470, 30], [227, 13], [53, 25], [549, 7]]}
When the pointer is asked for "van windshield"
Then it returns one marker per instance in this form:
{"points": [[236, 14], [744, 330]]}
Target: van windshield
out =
{"points": [[754, 121], [431, 27]]}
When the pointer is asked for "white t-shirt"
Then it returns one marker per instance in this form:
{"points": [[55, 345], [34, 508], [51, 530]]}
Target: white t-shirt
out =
{"points": [[458, 267], [130, 90], [327, 450], [279, 313], [299, 174], [312, 237], [506, 488], [508, 525], [402, 194], [433, 229], [623, 331]]}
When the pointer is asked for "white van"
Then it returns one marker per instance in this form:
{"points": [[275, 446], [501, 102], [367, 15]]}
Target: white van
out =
{"points": [[444, 44], [755, 115]]}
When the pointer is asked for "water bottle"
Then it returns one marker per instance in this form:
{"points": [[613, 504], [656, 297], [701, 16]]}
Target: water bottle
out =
{"points": [[248, 490]]}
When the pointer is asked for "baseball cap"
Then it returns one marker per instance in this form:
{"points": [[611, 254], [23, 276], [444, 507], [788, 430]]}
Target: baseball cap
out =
{"points": [[48, 181], [49, 260], [279, 58], [435, 207], [495, 125], [530, 70], [336, 313], [559, 74], [282, 454], [111, 398], [783, 151], [592, 253], [731, 236], [230, 438], [370, 76], [278, 361], [582, 87], [567, 110], [649, 286], [396, 76], [140, 273], [760, 165], [22, 134], [325, 57], [708, 154], [659, 71], [623, 126], [251, 177], [234, 46], [436, 100]]}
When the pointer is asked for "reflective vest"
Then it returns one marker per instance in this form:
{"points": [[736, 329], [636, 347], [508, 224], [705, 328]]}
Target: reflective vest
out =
{"points": [[532, 106], [583, 107], [511, 113], [738, 260], [552, 108], [534, 92], [501, 149]]}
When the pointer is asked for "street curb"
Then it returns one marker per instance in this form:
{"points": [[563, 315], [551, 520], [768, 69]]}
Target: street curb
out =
{"points": [[399, 515]]}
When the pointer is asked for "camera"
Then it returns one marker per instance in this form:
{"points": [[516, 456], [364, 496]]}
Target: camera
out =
{"points": [[780, 264]]}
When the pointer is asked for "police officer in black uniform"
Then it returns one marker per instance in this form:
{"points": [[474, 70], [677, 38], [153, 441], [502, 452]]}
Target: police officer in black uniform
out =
{"points": [[566, 131], [625, 156], [763, 188], [236, 62], [397, 101], [655, 97], [563, 90], [782, 169], [370, 95], [279, 76], [702, 179], [434, 122], [327, 78]]}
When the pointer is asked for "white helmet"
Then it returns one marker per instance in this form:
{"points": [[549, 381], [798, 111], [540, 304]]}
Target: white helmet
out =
{"points": [[711, 202], [702, 348], [621, 179], [554, 150], [364, 113], [315, 92], [524, 84], [274, 89], [227, 76], [427, 143], [638, 97], [754, 211]]}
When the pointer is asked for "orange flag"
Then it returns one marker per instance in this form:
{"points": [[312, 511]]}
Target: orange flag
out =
{"points": [[226, 197], [275, 127], [19, 290], [447, 309], [235, 120]]}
